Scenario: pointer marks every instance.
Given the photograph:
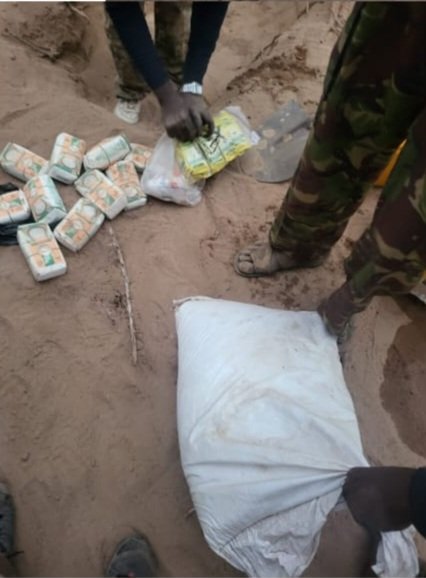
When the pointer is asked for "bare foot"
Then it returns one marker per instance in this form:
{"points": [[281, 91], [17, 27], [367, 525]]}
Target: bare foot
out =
{"points": [[261, 259]]}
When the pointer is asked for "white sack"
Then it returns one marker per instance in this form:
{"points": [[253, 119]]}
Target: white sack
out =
{"points": [[267, 432]]}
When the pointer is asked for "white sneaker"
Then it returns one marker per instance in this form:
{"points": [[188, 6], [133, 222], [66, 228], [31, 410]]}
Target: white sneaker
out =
{"points": [[128, 110], [420, 291]]}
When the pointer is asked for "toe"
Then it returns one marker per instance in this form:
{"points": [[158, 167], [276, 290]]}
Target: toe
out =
{"points": [[245, 256], [246, 267], [253, 260]]}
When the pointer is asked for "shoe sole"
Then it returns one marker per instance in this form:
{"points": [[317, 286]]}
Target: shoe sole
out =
{"points": [[126, 120], [151, 557]]}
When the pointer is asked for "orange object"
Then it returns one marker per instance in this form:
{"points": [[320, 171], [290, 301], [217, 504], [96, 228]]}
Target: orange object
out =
{"points": [[384, 175]]}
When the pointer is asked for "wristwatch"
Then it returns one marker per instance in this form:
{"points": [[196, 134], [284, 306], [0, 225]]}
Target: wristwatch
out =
{"points": [[193, 88]]}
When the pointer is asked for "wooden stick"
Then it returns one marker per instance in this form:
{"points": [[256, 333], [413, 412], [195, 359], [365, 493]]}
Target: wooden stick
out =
{"points": [[49, 53], [129, 310], [77, 11]]}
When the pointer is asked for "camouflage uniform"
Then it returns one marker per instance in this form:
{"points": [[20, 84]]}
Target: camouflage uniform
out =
{"points": [[374, 97], [6, 568], [172, 24]]}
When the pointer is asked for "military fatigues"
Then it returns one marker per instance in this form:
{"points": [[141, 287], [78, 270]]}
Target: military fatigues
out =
{"points": [[6, 568], [374, 98], [172, 24]]}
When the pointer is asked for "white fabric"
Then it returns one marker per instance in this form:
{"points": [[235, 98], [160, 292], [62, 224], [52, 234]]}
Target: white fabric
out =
{"points": [[394, 547], [267, 432]]}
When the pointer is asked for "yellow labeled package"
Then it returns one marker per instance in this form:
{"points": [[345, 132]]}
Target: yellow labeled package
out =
{"points": [[80, 225], [204, 157]]}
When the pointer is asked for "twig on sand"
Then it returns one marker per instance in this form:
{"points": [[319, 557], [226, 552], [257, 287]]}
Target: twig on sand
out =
{"points": [[129, 310], [189, 513], [336, 18], [44, 51], [77, 11], [306, 6]]}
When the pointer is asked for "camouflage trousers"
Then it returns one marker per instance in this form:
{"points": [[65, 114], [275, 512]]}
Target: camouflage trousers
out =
{"points": [[6, 568], [374, 97], [172, 25]]}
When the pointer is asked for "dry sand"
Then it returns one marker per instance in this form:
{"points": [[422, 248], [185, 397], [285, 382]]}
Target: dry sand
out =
{"points": [[88, 441]]}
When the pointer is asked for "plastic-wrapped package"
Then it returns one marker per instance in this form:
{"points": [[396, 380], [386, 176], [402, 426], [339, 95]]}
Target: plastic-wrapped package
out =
{"points": [[231, 138], [14, 207], [139, 156], [96, 187], [164, 179], [41, 251], [107, 152], [67, 158], [44, 199], [21, 162], [124, 175], [80, 225]]}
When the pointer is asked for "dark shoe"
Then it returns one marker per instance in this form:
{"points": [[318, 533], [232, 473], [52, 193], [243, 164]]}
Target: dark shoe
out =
{"points": [[7, 521], [338, 309], [422, 568], [133, 557]]}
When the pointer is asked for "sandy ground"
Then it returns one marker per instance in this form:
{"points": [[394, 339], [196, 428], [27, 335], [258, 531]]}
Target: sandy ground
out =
{"points": [[87, 440]]}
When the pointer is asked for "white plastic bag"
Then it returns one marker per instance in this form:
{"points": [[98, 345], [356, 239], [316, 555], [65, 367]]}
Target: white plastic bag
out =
{"points": [[245, 124], [164, 179], [267, 433]]}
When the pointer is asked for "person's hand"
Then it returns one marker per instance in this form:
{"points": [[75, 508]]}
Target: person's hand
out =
{"points": [[378, 497], [199, 114], [185, 116]]}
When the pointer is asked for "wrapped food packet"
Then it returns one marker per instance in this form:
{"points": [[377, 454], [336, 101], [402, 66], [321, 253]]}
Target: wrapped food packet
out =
{"points": [[80, 225], [45, 202], [124, 175], [67, 158], [107, 152], [139, 156], [22, 163], [164, 179], [96, 187], [204, 157], [14, 207], [41, 251]]}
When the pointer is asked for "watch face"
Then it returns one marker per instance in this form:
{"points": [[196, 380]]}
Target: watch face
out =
{"points": [[192, 87]]}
